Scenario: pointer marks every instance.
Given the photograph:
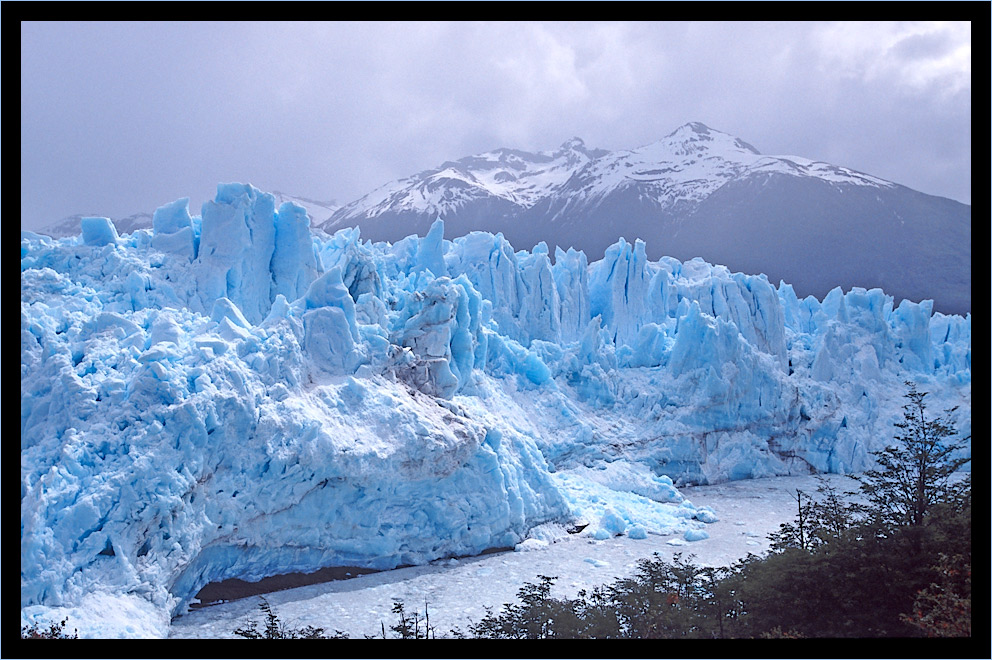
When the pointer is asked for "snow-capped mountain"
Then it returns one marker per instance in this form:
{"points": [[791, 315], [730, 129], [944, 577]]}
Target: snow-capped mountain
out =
{"points": [[516, 179], [695, 192]]}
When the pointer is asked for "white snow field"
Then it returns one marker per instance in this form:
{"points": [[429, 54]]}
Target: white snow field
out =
{"points": [[229, 395]]}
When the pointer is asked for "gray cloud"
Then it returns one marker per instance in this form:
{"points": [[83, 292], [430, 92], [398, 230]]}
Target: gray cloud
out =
{"points": [[924, 46], [118, 118]]}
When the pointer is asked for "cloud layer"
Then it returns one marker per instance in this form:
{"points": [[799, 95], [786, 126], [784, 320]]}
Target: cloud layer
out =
{"points": [[118, 118]]}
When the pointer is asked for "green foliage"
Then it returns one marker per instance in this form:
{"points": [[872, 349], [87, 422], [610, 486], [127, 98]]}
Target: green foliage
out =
{"points": [[409, 625], [668, 600], [850, 570], [943, 609], [275, 629], [818, 521], [915, 474], [537, 616], [848, 587], [55, 631], [676, 599]]}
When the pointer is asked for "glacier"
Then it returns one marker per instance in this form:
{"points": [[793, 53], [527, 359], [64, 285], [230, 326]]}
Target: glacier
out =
{"points": [[235, 394]]}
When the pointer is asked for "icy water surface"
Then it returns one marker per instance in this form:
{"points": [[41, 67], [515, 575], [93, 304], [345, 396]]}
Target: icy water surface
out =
{"points": [[458, 591]]}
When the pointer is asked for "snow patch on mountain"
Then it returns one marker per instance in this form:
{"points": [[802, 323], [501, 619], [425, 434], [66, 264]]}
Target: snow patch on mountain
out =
{"points": [[687, 165], [512, 176]]}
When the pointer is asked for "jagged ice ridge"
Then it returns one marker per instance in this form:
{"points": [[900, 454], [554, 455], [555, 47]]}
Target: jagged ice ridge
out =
{"points": [[231, 395]]}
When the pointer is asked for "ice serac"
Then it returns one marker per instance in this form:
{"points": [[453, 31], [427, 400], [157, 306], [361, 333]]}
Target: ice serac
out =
{"points": [[172, 229], [570, 272], [237, 239], [249, 253], [330, 330], [98, 231], [429, 255], [227, 395], [294, 260]]}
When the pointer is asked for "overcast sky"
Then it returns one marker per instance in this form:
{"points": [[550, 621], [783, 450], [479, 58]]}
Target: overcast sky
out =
{"points": [[120, 118]]}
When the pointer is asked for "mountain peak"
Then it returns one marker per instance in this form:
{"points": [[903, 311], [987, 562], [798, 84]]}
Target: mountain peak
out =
{"points": [[690, 129], [696, 127], [574, 146], [690, 138], [575, 143]]}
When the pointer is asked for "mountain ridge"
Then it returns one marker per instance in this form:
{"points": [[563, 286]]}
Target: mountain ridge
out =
{"points": [[666, 193], [726, 156]]}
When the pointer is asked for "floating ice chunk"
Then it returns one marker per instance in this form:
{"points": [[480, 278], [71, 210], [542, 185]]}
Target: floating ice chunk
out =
{"points": [[695, 535], [550, 532], [528, 545], [612, 522], [706, 514]]}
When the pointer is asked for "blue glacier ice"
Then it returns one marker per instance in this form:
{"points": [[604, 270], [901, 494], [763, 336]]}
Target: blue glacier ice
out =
{"points": [[232, 395]]}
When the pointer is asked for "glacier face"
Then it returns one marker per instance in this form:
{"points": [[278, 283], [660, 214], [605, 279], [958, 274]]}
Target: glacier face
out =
{"points": [[229, 395]]}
